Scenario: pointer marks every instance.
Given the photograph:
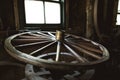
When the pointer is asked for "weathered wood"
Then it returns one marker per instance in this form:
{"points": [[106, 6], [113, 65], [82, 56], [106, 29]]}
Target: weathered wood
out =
{"points": [[87, 52], [31, 37], [31, 44], [28, 40], [16, 13], [89, 18], [42, 48], [86, 59], [91, 49], [87, 45], [28, 37], [81, 59]]}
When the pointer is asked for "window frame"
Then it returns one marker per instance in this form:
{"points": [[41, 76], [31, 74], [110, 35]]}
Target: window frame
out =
{"points": [[22, 22]]}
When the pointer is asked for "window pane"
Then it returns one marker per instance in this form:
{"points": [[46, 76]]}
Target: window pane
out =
{"points": [[52, 13], [34, 12], [118, 20], [119, 7], [55, 0]]}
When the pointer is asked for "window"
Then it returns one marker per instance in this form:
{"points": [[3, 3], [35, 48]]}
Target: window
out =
{"points": [[42, 14], [118, 14]]}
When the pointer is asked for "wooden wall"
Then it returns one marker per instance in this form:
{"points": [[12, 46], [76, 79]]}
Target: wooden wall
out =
{"points": [[7, 14], [76, 14]]}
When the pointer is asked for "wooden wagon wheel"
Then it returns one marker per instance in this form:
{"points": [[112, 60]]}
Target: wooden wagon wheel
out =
{"points": [[56, 50]]}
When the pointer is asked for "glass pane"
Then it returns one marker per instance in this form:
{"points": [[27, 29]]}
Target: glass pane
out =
{"points": [[34, 12], [52, 13], [119, 6], [118, 20], [55, 0]]}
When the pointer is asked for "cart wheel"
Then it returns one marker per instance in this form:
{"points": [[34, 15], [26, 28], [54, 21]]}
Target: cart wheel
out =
{"points": [[56, 50]]}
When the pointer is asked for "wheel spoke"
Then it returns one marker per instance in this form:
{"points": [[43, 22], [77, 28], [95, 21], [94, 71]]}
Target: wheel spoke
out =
{"points": [[42, 48], [29, 44], [28, 37], [86, 52], [75, 36], [81, 59], [51, 34], [28, 40], [43, 34], [91, 49], [33, 34], [66, 36], [87, 46], [40, 35], [58, 51]]}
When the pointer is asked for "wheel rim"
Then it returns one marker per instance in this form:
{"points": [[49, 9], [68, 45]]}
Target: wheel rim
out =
{"points": [[76, 52]]}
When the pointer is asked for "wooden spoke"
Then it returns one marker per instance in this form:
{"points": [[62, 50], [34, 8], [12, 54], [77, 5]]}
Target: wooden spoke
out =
{"points": [[66, 36], [38, 35], [91, 49], [75, 36], [58, 51], [34, 43], [43, 34], [51, 34], [81, 59], [28, 40], [87, 46], [42, 48], [86, 52], [33, 34], [28, 37]]}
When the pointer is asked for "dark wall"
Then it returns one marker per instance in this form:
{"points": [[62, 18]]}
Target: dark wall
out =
{"points": [[105, 20], [105, 16], [77, 16], [7, 14]]}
